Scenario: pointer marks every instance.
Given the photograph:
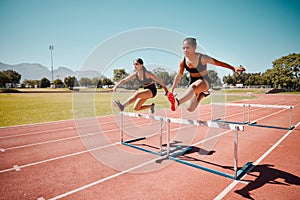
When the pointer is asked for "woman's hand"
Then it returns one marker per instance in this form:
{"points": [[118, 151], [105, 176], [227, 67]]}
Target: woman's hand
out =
{"points": [[239, 69]]}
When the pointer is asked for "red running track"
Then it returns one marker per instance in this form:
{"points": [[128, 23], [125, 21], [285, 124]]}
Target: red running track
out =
{"points": [[61, 159]]}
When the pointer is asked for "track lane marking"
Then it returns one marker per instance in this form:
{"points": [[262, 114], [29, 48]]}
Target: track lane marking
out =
{"points": [[103, 180], [59, 157], [72, 154], [235, 182], [52, 130], [63, 139]]}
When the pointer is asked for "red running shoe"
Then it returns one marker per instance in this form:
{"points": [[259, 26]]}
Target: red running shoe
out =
{"points": [[172, 100]]}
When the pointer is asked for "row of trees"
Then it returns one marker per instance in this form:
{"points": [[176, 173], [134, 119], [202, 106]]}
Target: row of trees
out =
{"points": [[11, 78], [284, 74], [69, 82]]}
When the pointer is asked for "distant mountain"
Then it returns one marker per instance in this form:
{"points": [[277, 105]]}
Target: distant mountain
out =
{"points": [[35, 71]]}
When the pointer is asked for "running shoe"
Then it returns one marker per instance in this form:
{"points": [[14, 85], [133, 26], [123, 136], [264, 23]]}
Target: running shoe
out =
{"points": [[172, 100], [119, 105], [206, 93], [152, 108]]}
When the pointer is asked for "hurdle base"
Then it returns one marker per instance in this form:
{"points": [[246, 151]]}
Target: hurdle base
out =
{"points": [[180, 152], [244, 170], [252, 123], [135, 140], [163, 153], [269, 126], [240, 173]]}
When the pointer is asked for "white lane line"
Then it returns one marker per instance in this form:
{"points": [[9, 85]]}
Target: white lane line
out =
{"points": [[128, 170], [17, 168], [125, 171], [63, 139], [51, 141], [104, 179], [59, 157], [37, 132], [73, 154], [274, 146], [52, 130], [277, 112], [235, 182], [53, 122]]}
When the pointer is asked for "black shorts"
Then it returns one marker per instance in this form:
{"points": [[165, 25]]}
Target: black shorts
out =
{"points": [[194, 79], [152, 88]]}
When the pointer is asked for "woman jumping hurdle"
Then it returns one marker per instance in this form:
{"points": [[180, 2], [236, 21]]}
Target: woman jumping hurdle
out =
{"points": [[196, 64], [146, 79]]}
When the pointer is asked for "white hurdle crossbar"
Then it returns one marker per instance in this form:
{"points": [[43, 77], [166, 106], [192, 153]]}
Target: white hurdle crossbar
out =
{"points": [[212, 124], [259, 106]]}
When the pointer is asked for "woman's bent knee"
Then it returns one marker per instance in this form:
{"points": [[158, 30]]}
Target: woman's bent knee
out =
{"points": [[136, 108], [191, 109]]}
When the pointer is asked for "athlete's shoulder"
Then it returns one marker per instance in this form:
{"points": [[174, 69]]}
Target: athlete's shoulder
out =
{"points": [[182, 61]]}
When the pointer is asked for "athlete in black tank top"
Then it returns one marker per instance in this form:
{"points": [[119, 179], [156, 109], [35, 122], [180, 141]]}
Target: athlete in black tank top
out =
{"points": [[199, 80], [141, 96], [197, 70]]}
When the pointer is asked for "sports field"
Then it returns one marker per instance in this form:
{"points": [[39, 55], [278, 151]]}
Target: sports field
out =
{"points": [[44, 106]]}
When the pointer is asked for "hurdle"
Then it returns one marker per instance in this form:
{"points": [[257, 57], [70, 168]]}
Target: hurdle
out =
{"points": [[173, 154], [254, 123], [161, 119]]}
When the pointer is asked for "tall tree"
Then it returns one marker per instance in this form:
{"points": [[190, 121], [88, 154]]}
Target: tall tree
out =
{"points": [[254, 79], [4, 78], [119, 74], [70, 81], [97, 82], [107, 81], [163, 75], [286, 71], [58, 83], [44, 83], [213, 76], [85, 82], [14, 76]]}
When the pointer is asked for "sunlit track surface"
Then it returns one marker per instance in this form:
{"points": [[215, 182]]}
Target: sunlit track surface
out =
{"points": [[48, 160]]}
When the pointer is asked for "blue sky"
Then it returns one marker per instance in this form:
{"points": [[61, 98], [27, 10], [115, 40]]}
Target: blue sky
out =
{"points": [[252, 33]]}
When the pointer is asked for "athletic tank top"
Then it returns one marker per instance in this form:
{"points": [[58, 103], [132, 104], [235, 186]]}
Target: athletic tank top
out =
{"points": [[145, 80], [200, 67]]}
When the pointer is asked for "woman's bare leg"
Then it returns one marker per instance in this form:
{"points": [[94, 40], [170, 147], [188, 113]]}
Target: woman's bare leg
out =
{"points": [[193, 92], [139, 97], [194, 102]]}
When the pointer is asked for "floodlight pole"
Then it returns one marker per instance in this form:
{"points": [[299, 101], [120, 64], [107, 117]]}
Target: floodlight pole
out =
{"points": [[51, 48]]}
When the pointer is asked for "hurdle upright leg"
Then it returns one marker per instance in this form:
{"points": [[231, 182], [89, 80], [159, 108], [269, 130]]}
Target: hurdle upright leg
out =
{"points": [[249, 113], [243, 113], [121, 126], [168, 137], [235, 152], [291, 117], [160, 138]]}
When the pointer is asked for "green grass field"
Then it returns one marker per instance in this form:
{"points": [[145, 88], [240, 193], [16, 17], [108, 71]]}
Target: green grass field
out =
{"points": [[28, 108]]}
